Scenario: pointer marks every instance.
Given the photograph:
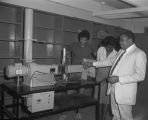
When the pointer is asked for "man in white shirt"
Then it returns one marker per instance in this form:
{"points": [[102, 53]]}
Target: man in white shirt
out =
{"points": [[125, 73]]}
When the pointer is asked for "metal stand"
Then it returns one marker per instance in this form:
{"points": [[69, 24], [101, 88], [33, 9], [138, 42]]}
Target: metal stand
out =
{"points": [[18, 81]]}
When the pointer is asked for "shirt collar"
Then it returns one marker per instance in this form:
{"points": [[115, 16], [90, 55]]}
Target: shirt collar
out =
{"points": [[129, 48]]}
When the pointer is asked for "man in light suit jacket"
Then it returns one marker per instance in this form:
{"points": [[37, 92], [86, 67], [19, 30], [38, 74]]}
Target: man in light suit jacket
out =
{"points": [[124, 76]]}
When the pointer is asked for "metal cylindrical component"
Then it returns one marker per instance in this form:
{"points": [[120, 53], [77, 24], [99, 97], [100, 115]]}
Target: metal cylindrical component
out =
{"points": [[28, 32], [64, 56], [16, 70]]}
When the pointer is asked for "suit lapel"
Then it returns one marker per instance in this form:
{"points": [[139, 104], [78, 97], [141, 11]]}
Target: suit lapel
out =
{"points": [[123, 59]]}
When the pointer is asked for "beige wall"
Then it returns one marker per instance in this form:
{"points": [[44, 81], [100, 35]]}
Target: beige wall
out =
{"points": [[136, 25]]}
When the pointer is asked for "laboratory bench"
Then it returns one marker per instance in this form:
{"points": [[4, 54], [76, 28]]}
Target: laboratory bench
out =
{"points": [[62, 102]]}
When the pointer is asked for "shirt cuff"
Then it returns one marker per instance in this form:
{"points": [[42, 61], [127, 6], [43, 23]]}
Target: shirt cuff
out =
{"points": [[94, 64], [121, 80]]}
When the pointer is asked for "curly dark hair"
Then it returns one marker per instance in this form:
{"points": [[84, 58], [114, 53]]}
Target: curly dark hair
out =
{"points": [[109, 40], [84, 33]]}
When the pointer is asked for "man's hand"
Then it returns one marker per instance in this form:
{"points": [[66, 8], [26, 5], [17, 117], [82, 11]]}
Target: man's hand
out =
{"points": [[113, 79], [87, 64]]}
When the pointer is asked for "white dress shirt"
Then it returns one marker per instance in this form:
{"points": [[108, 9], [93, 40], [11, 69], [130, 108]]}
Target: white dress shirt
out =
{"points": [[101, 54]]}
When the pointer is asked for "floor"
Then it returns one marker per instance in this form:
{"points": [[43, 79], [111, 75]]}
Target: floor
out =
{"points": [[85, 114], [140, 111]]}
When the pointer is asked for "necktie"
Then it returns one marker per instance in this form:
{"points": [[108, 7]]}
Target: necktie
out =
{"points": [[117, 61]]}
